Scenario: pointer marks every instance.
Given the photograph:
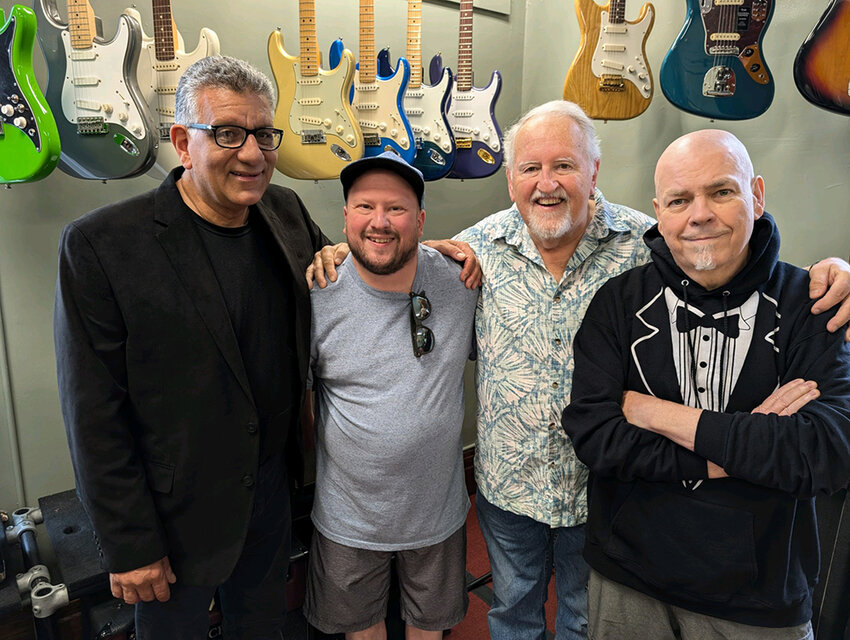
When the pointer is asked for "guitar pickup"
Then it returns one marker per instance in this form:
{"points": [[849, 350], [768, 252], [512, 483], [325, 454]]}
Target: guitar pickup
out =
{"points": [[165, 91], [610, 82], [313, 136], [372, 139], [91, 126]]}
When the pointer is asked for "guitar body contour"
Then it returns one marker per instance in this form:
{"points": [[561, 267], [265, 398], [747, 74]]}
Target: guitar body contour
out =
{"points": [[706, 77], [29, 139], [115, 139], [609, 77], [158, 83], [320, 130], [822, 65], [425, 108]]}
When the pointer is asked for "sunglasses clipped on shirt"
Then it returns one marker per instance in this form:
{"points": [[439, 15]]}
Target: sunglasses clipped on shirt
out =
{"points": [[422, 336]]}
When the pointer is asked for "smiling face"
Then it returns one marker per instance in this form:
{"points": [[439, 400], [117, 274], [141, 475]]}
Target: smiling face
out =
{"points": [[220, 184], [707, 200], [383, 222], [551, 179]]}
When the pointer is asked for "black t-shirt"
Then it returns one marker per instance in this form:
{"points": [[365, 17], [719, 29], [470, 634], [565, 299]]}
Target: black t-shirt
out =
{"points": [[257, 290]]}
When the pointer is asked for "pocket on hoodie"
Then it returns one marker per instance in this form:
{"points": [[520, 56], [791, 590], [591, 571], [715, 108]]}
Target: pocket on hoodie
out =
{"points": [[682, 545]]}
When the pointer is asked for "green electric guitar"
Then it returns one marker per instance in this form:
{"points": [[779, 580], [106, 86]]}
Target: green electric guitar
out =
{"points": [[29, 139]]}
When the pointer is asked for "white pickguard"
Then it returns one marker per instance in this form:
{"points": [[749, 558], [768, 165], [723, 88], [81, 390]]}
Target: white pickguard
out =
{"points": [[94, 83], [316, 104], [376, 105], [619, 51], [469, 115], [158, 80], [423, 110]]}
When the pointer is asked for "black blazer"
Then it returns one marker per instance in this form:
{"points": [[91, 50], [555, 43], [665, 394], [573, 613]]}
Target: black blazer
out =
{"points": [[160, 419]]}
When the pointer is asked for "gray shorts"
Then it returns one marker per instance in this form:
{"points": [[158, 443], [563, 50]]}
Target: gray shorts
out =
{"points": [[617, 612], [347, 588]]}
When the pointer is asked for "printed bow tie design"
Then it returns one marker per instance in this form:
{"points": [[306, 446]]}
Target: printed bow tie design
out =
{"points": [[686, 319]]}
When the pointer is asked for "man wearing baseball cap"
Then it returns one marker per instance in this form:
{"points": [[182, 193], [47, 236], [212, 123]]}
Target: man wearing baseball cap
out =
{"points": [[390, 339]]}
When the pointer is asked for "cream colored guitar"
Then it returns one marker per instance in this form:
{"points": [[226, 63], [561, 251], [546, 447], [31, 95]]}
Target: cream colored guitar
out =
{"points": [[162, 62], [321, 134], [609, 77]]}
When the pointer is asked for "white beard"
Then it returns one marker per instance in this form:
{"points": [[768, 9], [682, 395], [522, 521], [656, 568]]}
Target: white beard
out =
{"points": [[704, 260], [551, 225]]}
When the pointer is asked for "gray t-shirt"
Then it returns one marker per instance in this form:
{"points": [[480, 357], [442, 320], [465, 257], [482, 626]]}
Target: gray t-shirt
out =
{"points": [[388, 425]]}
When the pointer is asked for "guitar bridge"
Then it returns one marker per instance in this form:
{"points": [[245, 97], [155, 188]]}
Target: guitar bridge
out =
{"points": [[371, 139], [463, 143], [719, 82], [91, 126], [610, 82], [312, 136]]}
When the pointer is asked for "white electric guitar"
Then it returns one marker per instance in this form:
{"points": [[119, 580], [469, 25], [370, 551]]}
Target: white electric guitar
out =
{"points": [[378, 100], [162, 62]]}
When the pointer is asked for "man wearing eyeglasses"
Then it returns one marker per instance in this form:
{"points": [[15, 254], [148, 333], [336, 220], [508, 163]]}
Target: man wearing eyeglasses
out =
{"points": [[182, 334], [390, 339]]}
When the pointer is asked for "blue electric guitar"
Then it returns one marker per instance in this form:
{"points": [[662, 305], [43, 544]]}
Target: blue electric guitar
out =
{"points": [[106, 128], [471, 112], [425, 105], [161, 63], [377, 99], [29, 140], [715, 67]]}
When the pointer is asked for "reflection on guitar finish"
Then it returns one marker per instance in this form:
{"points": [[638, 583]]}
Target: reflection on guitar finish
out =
{"points": [[609, 77], [822, 65], [161, 63], [105, 125], [471, 112], [715, 66], [29, 139]]}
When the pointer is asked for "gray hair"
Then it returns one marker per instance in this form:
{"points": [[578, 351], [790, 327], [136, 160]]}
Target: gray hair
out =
{"points": [[556, 109], [218, 72]]}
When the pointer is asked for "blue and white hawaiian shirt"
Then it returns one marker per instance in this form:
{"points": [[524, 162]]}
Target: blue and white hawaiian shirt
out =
{"points": [[525, 324]]}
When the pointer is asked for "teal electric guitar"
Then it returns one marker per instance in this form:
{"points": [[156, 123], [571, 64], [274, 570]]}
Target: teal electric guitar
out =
{"points": [[715, 67], [29, 140], [106, 127]]}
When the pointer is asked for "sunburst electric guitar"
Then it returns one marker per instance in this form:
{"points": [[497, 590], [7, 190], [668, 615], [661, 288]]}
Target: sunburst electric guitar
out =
{"points": [[822, 66], [378, 100], [715, 67], [471, 112], [29, 139], [321, 134], [425, 105], [161, 63], [609, 77], [106, 128]]}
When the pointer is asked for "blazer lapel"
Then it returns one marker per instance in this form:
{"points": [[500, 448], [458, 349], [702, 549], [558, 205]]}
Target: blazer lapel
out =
{"points": [[185, 250]]}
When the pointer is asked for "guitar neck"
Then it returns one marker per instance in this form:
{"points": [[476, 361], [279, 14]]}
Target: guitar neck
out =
{"points": [[368, 64], [414, 42], [617, 11], [464, 50], [81, 24], [165, 31], [309, 52]]}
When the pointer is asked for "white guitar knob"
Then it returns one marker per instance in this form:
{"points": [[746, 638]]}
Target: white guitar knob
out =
{"points": [[437, 137], [382, 126], [340, 128], [327, 122], [123, 116], [349, 139], [642, 76], [631, 69], [7, 110], [646, 87], [107, 108], [486, 136], [476, 131], [427, 131], [403, 143], [446, 147], [394, 133], [20, 122]]}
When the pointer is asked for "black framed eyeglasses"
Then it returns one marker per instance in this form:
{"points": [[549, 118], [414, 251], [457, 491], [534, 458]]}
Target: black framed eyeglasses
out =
{"points": [[232, 136], [422, 336]]}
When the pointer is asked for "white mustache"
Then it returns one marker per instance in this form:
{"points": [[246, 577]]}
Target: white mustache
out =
{"points": [[560, 192]]}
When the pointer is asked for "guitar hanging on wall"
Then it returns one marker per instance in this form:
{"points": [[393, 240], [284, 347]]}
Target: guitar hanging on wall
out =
{"points": [[425, 105], [471, 112], [106, 128], [29, 139], [321, 134], [609, 77], [378, 99], [822, 65], [161, 63], [715, 67]]}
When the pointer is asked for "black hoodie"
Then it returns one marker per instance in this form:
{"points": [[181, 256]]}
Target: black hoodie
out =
{"points": [[743, 548]]}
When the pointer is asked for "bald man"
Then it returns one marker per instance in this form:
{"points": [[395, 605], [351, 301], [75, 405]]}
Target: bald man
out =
{"points": [[711, 407]]}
